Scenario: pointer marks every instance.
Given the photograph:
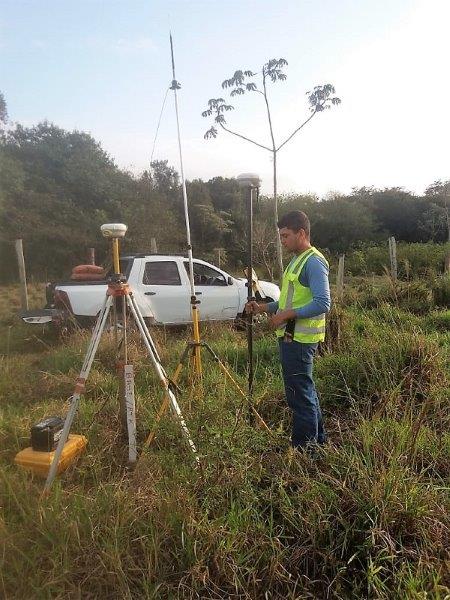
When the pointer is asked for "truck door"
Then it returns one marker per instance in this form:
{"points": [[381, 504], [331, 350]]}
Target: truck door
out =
{"points": [[218, 299], [165, 291]]}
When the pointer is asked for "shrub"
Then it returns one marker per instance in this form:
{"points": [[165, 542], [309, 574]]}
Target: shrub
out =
{"points": [[414, 260], [441, 291], [413, 296]]}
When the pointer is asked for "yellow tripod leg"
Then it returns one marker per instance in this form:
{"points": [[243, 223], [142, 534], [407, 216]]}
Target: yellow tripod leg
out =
{"points": [[241, 391], [164, 405], [197, 356], [238, 387]]}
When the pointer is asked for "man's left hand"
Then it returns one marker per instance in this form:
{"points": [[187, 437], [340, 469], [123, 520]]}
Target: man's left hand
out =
{"points": [[280, 318]]}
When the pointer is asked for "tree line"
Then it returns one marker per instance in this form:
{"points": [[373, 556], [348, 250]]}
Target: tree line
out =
{"points": [[57, 187]]}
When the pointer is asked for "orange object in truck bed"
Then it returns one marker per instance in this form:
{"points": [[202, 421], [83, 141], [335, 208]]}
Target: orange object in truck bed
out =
{"points": [[89, 269], [88, 276]]}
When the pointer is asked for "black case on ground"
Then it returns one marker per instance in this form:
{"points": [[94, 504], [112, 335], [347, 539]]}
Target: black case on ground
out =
{"points": [[45, 435]]}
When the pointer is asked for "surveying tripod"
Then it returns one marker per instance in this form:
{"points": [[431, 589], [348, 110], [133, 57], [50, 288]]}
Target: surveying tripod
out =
{"points": [[119, 296]]}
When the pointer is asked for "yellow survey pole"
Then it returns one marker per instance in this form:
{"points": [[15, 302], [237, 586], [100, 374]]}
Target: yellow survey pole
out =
{"points": [[197, 347], [115, 249]]}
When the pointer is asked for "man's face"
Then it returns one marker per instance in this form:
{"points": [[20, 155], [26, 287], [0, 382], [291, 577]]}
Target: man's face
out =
{"points": [[292, 240]]}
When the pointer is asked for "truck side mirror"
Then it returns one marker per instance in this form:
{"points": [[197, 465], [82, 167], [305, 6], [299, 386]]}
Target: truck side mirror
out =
{"points": [[230, 280]]}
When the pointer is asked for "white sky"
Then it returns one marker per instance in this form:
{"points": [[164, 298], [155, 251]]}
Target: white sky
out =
{"points": [[104, 68]]}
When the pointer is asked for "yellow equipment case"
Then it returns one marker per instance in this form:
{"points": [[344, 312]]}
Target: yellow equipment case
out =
{"points": [[39, 462]]}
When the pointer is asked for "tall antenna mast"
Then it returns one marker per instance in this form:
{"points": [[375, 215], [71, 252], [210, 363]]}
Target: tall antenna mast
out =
{"points": [[194, 302], [193, 348]]}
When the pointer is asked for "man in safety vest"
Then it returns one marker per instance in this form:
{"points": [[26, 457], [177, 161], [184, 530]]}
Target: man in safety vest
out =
{"points": [[299, 321]]}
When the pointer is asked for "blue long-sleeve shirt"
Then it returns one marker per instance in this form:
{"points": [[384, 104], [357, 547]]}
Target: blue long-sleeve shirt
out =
{"points": [[315, 276]]}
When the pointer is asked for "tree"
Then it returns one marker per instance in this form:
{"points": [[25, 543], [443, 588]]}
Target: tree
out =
{"points": [[147, 215], [226, 198], [3, 111], [396, 211], [208, 225], [264, 244], [242, 82], [339, 224], [164, 177], [57, 188], [439, 192]]}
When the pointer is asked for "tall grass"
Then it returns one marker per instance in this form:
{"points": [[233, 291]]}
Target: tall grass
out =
{"points": [[414, 260], [366, 518]]}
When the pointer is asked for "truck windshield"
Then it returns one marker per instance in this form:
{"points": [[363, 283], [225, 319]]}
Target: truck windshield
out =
{"points": [[125, 266]]}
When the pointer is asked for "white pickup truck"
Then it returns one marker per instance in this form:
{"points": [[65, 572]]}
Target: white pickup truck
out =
{"points": [[160, 284]]}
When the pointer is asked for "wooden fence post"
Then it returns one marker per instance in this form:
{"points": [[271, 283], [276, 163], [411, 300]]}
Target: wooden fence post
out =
{"points": [[393, 257], [153, 246], [22, 274], [340, 277]]}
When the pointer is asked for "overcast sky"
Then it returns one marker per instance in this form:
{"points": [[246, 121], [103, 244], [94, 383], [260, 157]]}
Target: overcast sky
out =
{"points": [[103, 66]]}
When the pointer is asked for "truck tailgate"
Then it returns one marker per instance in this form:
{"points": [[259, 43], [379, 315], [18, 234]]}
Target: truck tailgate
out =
{"points": [[85, 300]]}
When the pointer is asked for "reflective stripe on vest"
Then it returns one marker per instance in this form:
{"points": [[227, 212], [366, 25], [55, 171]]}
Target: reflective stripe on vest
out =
{"points": [[295, 295], [300, 329]]}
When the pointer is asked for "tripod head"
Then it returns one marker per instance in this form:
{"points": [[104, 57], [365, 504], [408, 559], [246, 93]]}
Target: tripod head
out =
{"points": [[114, 232]]}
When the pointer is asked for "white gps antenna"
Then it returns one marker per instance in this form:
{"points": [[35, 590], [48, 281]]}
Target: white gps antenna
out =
{"points": [[249, 180], [114, 232]]}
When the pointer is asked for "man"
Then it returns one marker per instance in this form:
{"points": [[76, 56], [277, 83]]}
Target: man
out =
{"points": [[299, 321]]}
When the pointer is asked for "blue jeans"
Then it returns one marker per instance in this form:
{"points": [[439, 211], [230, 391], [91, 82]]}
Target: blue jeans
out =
{"points": [[297, 363]]}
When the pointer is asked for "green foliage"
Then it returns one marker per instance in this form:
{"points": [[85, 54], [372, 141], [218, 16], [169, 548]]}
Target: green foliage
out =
{"points": [[340, 224], [438, 320], [3, 111], [441, 291], [414, 260], [58, 187], [413, 296]]}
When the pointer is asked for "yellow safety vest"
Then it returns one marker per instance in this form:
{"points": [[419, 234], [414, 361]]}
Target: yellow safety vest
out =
{"points": [[295, 295]]}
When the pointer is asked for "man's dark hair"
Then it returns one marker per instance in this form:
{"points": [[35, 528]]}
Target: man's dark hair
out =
{"points": [[295, 220]]}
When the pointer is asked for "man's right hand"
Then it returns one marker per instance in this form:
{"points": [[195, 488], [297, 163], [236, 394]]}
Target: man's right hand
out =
{"points": [[253, 308]]}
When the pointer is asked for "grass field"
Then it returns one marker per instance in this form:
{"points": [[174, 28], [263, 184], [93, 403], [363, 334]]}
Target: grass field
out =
{"points": [[368, 517]]}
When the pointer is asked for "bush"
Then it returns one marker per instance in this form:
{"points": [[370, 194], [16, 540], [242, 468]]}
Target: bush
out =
{"points": [[441, 291], [414, 260], [383, 371], [413, 296]]}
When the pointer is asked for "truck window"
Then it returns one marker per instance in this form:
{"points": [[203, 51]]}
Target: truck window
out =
{"points": [[164, 272], [204, 275]]}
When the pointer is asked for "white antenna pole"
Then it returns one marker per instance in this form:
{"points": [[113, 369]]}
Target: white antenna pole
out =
{"points": [[176, 86], [194, 302]]}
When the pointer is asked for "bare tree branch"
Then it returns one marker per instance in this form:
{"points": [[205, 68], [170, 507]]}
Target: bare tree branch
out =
{"points": [[245, 138], [268, 112], [297, 130]]}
